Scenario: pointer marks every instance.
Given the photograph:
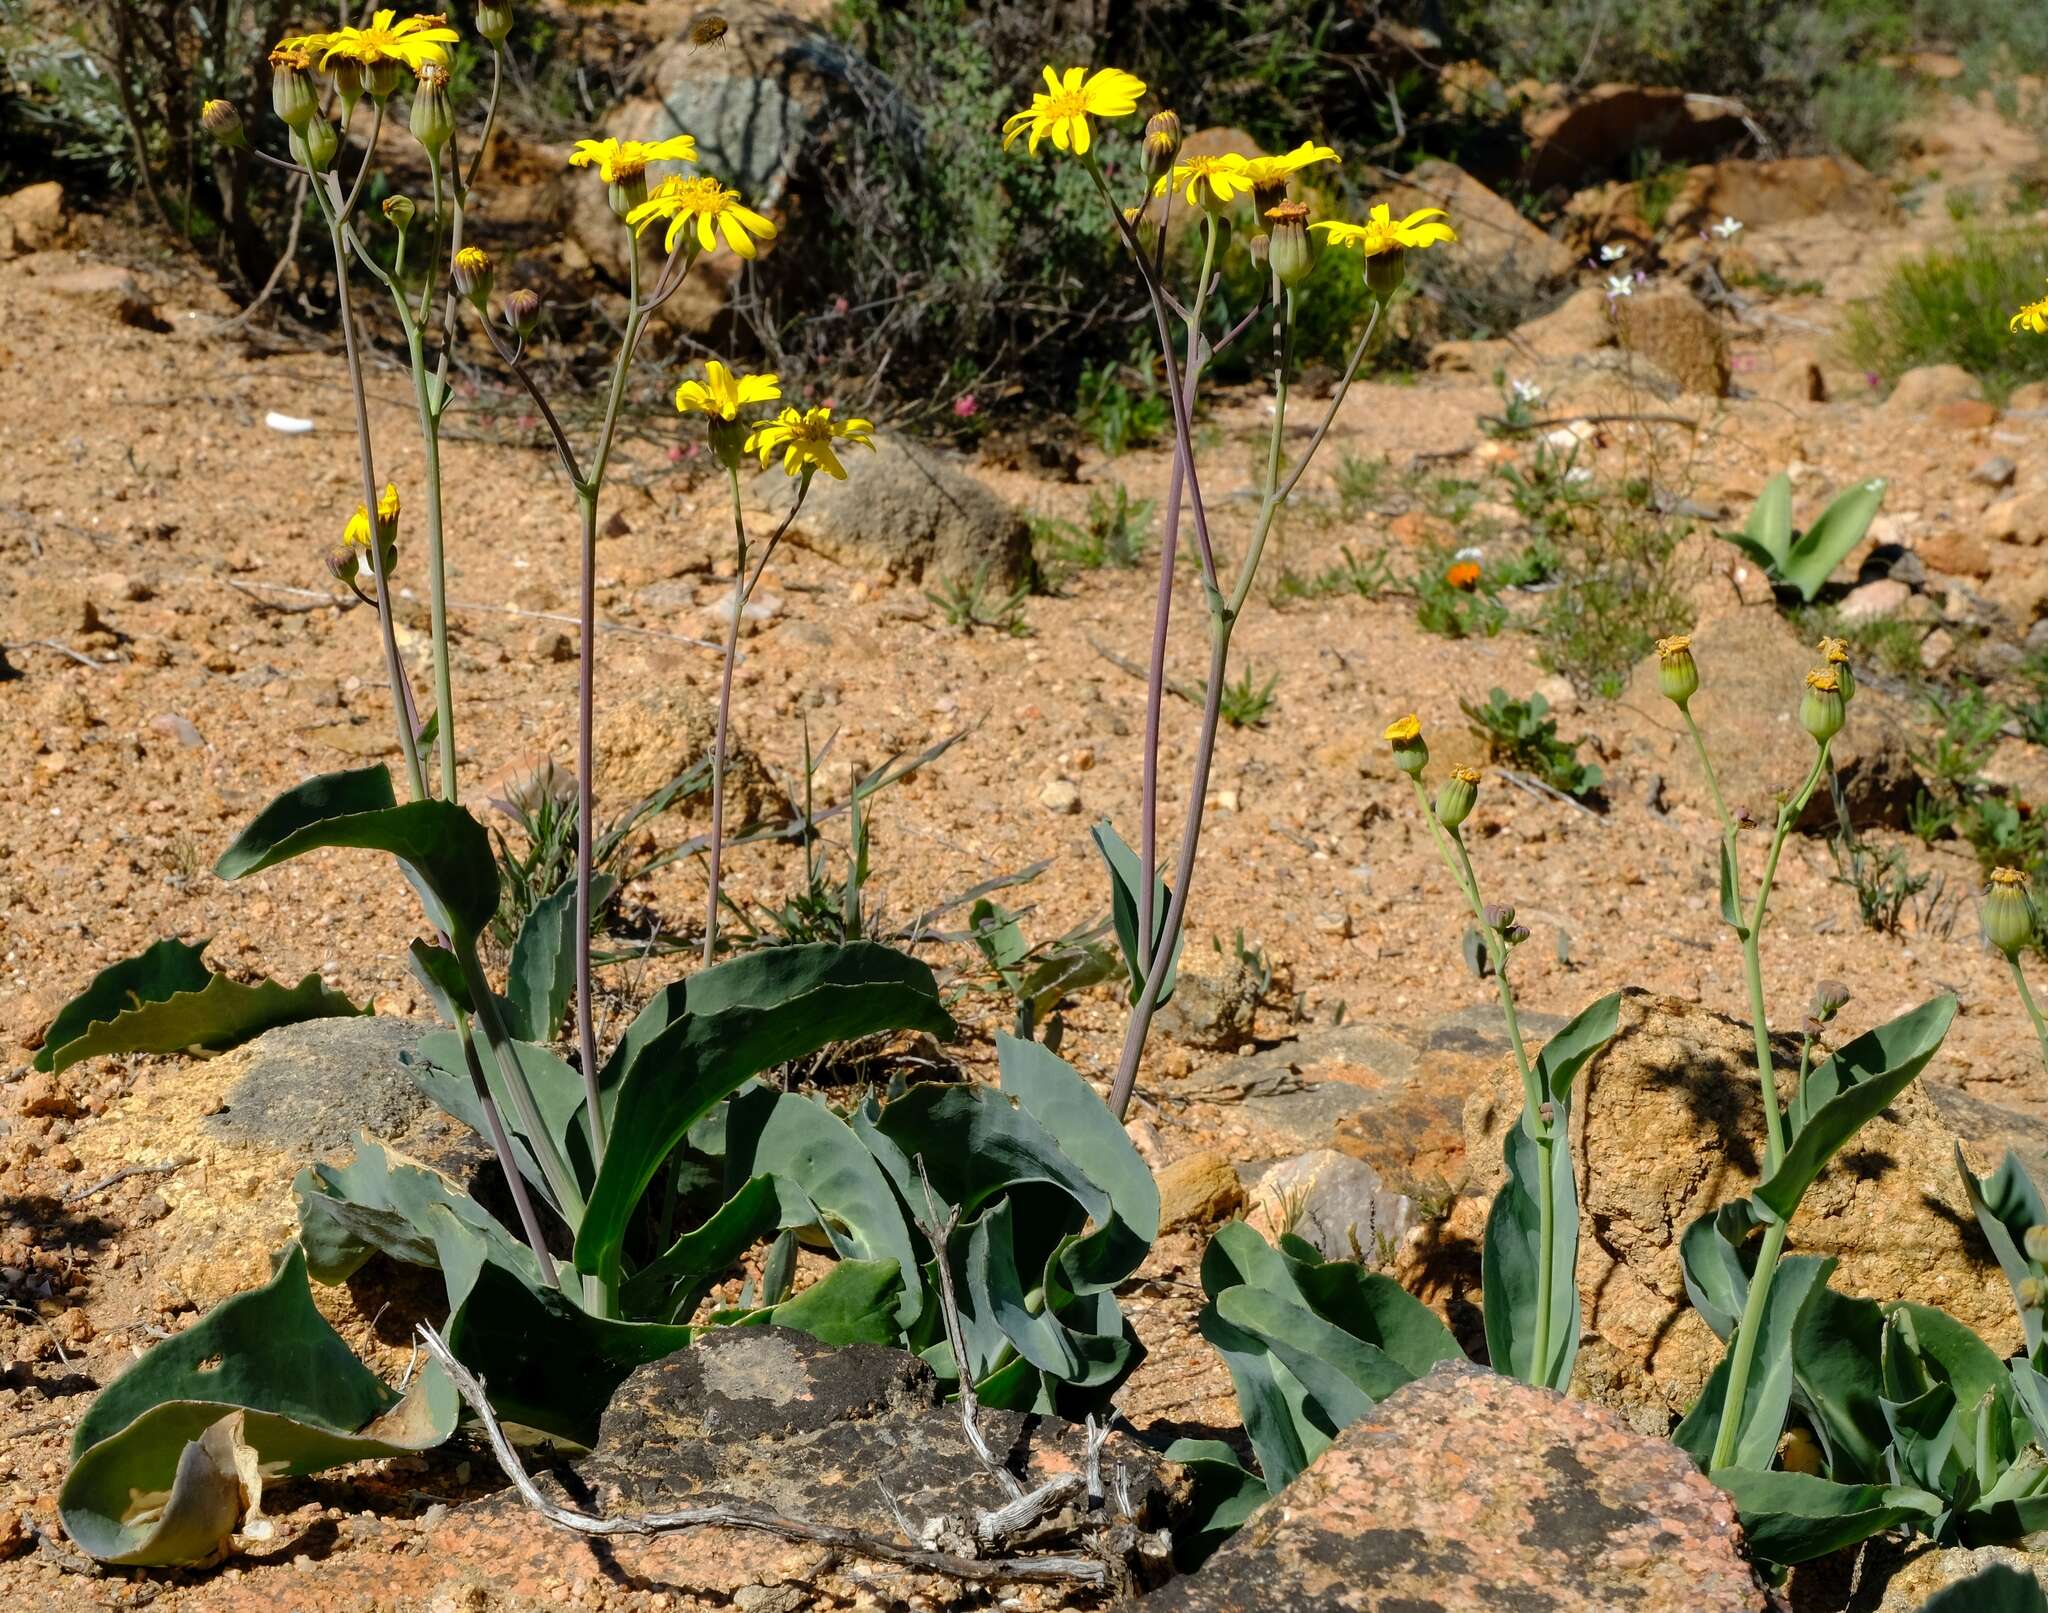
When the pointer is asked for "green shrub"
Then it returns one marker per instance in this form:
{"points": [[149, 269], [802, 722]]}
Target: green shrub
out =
{"points": [[1951, 307]]}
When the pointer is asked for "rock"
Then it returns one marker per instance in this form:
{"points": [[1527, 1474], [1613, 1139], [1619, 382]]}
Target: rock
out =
{"points": [[2023, 518], [646, 741], [1760, 194], [43, 1095], [1931, 1570], [1062, 796], [1965, 414], [1582, 323], [1677, 332], [1957, 553], [1923, 390], [1997, 471], [1752, 671], [1880, 597], [31, 218], [1891, 1208], [907, 512], [1213, 1011], [1594, 134], [2028, 398], [1334, 1201], [309, 1088], [1496, 240], [1795, 380], [1198, 1191], [110, 290], [173, 726], [1465, 1492]]}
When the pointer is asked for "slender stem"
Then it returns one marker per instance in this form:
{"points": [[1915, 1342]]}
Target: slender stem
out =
{"points": [[501, 1145], [1742, 1354], [2019, 979], [437, 564], [1699, 744], [561, 1179], [732, 655], [1269, 503]]}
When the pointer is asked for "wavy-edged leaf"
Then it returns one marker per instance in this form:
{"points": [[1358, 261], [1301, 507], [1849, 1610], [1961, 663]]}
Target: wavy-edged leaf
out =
{"points": [[2007, 1204], [541, 976], [1796, 1517], [167, 968], [381, 1202], [740, 1018], [1768, 1397], [1826, 544], [440, 843], [1837, 1348], [1509, 1270], [1847, 1090], [1124, 876], [1566, 1053], [1716, 1260]]}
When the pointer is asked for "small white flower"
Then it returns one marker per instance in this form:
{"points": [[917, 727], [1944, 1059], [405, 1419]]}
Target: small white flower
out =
{"points": [[1613, 252], [1578, 473], [1620, 285], [1525, 392], [1728, 227], [1470, 553]]}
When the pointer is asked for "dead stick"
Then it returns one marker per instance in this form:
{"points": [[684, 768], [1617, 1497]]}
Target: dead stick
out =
{"points": [[741, 1515], [106, 1182], [1123, 663]]}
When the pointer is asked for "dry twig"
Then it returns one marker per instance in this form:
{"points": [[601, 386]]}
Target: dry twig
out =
{"points": [[122, 1175]]}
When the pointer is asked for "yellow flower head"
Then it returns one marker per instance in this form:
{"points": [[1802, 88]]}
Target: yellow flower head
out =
{"points": [[1208, 180], [1382, 232], [2009, 877], [619, 160], [805, 438], [1405, 731], [714, 209], [2033, 317], [1823, 679], [1267, 173], [357, 532], [722, 394], [414, 42], [1834, 650], [1677, 644], [1063, 108]]}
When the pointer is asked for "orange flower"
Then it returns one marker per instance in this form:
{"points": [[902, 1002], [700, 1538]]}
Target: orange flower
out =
{"points": [[1465, 575]]}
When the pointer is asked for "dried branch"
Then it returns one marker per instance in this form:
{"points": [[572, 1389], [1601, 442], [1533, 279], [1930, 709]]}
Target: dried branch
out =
{"points": [[743, 1515], [105, 1182]]}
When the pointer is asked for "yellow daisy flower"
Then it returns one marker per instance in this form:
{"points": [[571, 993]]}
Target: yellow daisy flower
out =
{"points": [[1208, 181], [414, 42], [357, 532], [1068, 101], [1268, 172], [2033, 317], [714, 209], [805, 438], [1382, 232], [618, 160], [1404, 730], [722, 394]]}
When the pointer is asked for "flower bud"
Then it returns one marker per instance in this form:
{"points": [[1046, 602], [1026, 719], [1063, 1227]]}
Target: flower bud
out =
{"points": [[493, 22], [2032, 1292], [1497, 915], [399, 212], [1384, 272], [2008, 911], [1411, 755], [1515, 934], [292, 95], [1677, 675], [1821, 709], [315, 145], [1293, 255], [1802, 1453], [1835, 653], [344, 564], [1162, 143], [521, 309], [223, 122], [433, 123], [1260, 249], [2036, 1242], [1454, 801], [1830, 997], [473, 273]]}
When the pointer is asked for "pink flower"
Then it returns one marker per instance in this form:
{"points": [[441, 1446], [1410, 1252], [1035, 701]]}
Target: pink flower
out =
{"points": [[964, 407]]}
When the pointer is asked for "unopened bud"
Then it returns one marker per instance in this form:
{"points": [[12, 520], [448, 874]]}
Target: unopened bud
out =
{"points": [[2032, 1292], [1745, 818], [1546, 1112], [1830, 997], [521, 310], [1293, 255], [1456, 797], [399, 211], [348, 82], [1497, 915], [494, 22], [380, 78], [1515, 934], [315, 145], [2008, 911], [2036, 1242], [223, 122], [344, 563], [472, 273], [1677, 676], [432, 123], [1162, 143]]}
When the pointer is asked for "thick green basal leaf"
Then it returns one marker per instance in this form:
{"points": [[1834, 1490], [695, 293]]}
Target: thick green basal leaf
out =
{"points": [[556, 1087], [383, 1202], [1770, 520], [1997, 1589], [1826, 544], [1346, 1376], [738, 1019], [1716, 1259], [1944, 1351], [1124, 875], [1509, 1259], [732, 1229], [1227, 1493], [1849, 1089], [1567, 1053], [1376, 1309], [1286, 1430], [441, 844], [1837, 1346], [220, 1014], [2007, 1204], [853, 1303], [541, 977], [167, 968], [263, 1367], [1796, 1517], [1768, 1397]]}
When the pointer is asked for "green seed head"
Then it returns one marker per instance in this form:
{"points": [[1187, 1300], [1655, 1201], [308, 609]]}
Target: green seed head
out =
{"points": [[2037, 1245], [1677, 676], [1454, 801], [2008, 911], [315, 145], [1822, 711]]}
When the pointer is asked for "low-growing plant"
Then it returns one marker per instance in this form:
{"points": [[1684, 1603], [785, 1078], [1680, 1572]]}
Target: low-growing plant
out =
{"points": [[1523, 734], [1246, 701], [1950, 307], [972, 602], [1119, 415], [1114, 535], [1039, 976], [1803, 561]]}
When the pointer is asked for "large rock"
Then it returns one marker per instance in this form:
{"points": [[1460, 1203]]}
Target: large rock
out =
{"points": [[1891, 1208], [1496, 240], [1927, 388], [649, 739], [1465, 1492], [1752, 675], [1678, 334], [906, 512], [1938, 1567], [31, 218], [1784, 191], [310, 1088], [1336, 1203], [1593, 135]]}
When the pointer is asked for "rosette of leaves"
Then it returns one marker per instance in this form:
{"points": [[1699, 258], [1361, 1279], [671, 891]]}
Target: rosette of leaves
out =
{"points": [[1805, 560], [1312, 1345]]}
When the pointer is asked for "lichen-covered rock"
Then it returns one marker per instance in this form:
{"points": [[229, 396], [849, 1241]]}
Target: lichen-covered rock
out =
{"points": [[648, 739], [1217, 1011], [1678, 334], [1937, 1567], [310, 1088], [1198, 1190], [1891, 1209], [1465, 1492]]}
